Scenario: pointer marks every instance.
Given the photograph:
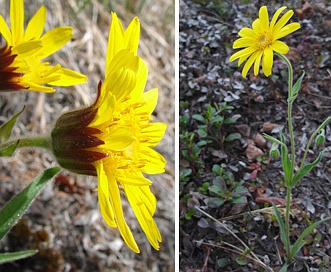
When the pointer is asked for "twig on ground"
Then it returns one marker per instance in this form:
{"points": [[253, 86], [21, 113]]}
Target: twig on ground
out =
{"points": [[256, 258]]}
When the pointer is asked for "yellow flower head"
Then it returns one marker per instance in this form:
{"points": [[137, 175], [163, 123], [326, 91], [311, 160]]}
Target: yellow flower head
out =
{"points": [[260, 41], [20, 58], [114, 138]]}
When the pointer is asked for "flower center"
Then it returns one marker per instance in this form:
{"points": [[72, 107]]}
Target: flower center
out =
{"points": [[263, 40]]}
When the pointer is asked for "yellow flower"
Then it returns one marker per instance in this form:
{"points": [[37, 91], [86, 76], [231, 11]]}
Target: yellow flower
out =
{"points": [[20, 58], [262, 40], [114, 138]]}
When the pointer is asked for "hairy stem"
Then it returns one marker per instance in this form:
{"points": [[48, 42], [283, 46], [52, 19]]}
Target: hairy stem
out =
{"points": [[41, 142], [290, 128]]}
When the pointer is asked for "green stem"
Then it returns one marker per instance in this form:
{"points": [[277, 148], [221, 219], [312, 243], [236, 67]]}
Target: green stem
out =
{"points": [[311, 139], [42, 142], [290, 128], [287, 222], [289, 108]]}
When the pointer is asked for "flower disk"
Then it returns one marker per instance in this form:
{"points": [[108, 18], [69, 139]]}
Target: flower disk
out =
{"points": [[114, 138], [262, 40], [20, 58]]}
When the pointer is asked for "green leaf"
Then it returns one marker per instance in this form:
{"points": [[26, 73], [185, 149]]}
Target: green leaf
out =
{"points": [[215, 202], [7, 149], [272, 139], [240, 190], [280, 221], [16, 207], [222, 262], [291, 99], [216, 190], [202, 133], [233, 136], [239, 200], [201, 143], [241, 261], [6, 128], [306, 169], [299, 243], [13, 256], [284, 268], [230, 120], [189, 214], [199, 118], [217, 119], [286, 163], [297, 85], [326, 121]]}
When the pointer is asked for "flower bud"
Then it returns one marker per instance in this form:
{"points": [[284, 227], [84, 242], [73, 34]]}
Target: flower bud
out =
{"points": [[320, 138], [72, 141], [274, 152]]}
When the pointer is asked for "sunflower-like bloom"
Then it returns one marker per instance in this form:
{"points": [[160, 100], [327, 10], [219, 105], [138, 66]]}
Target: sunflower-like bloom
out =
{"points": [[20, 59], [262, 40], [114, 138]]}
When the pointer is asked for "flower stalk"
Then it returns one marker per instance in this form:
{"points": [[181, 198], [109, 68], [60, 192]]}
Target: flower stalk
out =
{"points": [[259, 44], [39, 142]]}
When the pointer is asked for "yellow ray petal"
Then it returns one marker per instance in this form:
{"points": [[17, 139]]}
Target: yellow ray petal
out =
{"points": [[54, 39], [103, 196], [280, 47], [36, 25], [115, 40], [132, 35], [17, 20], [122, 78], [249, 64], [257, 26], [282, 21], [286, 30], [5, 31], [149, 100], [118, 138], [115, 201], [154, 132], [275, 17], [142, 202], [68, 78], [142, 74], [32, 86], [155, 162], [267, 61], [23, 50], [247, 33], [257, 63], [134, 179], [244, 53], [264, 17], [243, 42]]}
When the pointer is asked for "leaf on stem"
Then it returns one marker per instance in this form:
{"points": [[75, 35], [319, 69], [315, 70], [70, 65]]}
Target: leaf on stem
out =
{"points": [[299, 243], [272, 139], [284, 268], [296, 88], [302, 172], [286, 163], [6, 128], [323, 124], [8, 149], [14, 256], [16, 207], [280, 221]]}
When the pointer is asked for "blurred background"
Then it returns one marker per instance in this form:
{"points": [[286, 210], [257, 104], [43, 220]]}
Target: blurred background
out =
{"points": [[64, 223]]}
